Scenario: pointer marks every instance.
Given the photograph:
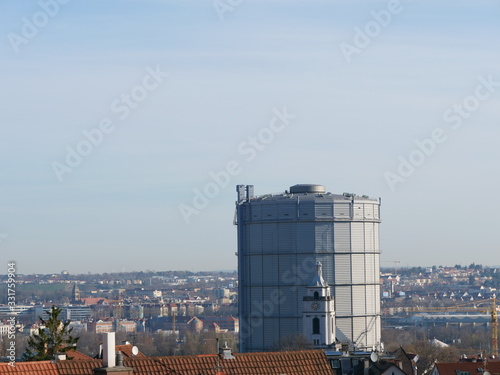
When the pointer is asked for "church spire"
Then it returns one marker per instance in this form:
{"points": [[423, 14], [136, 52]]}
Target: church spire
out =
{"points": [[318, 315], [76, 294], [318, 280]]}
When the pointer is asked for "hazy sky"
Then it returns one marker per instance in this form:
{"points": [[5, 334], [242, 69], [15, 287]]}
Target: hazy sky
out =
{"points": [[398, 100]]}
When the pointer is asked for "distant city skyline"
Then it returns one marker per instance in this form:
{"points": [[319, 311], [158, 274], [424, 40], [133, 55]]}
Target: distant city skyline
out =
{"points": [[388, 269], [126, 125]]}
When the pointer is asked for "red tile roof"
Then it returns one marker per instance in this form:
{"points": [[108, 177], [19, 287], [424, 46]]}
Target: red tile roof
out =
{"points": [[311, 362], [473, 368], [78, 367], [126, 350], [30, 368], [95, 301], [76, 355]]}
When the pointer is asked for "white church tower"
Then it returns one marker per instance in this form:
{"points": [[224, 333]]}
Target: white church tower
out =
{"points": [[318, 316]]}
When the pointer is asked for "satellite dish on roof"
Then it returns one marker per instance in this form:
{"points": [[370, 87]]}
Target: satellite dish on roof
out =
{"points": [[135, 350], [374, 357]]}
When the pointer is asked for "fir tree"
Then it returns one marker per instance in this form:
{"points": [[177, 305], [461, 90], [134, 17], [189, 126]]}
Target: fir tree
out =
{"points": [[54, 339]]}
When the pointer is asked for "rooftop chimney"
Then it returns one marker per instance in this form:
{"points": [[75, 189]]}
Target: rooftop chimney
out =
{"points": [[119, 359], [225, 352], [108, 355], [112, 360]]}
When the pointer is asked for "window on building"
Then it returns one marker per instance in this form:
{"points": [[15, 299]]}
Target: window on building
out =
{"points": [[316, 295], [358, 366], [346, 366], [315, 327], [335, 363]]}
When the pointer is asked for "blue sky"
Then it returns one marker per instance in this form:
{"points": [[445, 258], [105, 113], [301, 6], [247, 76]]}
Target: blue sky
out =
{"points": [[119, 208]]}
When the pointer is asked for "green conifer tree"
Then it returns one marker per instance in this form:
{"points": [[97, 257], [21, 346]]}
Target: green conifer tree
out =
{"points": [[54, 339]]}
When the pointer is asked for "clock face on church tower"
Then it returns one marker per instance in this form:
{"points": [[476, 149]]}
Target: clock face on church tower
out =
{"points": [[315, 306]]}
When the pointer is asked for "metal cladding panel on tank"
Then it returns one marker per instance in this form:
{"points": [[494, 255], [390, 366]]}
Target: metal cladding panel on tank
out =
{"points": [[269, 238], [287, 211], [307, 210], [369, 237], [286, 238], [370, 272], [342, 239], [358, 268], [358, 211], [253, 236], [343, 293], [345, 326], [342, 210], [305, 237], [358, 300], [324, 210], [269, 274], [343, 268], [357, 236], [324, 237], [280, 239], [371, 307]]}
